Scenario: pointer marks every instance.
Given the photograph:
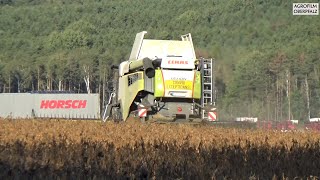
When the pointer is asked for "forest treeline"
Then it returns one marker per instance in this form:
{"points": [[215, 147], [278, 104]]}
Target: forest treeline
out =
{"points": [[267, 61]]}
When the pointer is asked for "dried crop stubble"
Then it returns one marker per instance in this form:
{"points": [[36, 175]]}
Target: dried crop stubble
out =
{"points": [[132, 150]]}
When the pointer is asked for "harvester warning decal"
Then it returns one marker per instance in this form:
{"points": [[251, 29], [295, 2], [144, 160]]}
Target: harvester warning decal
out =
{"points": [[178, 85], [212, 116], [142, 111]]}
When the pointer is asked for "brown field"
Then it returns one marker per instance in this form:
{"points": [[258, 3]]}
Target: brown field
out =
{"points": [[42, 149]]}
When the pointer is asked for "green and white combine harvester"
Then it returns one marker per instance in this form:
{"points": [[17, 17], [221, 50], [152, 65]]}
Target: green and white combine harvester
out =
{"points": [[162, 80]]}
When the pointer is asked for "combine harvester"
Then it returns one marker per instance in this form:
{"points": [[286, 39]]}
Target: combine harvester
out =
{"points": [[162, 80]]}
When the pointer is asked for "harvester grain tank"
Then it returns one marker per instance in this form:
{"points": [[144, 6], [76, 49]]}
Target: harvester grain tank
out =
{"points": [[162, 79]]}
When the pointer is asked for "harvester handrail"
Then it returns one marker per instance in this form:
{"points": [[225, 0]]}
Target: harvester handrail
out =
{"points": [[104, 118]]}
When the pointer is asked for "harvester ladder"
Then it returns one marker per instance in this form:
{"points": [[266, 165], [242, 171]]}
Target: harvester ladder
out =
{"points": [[207, 85]]}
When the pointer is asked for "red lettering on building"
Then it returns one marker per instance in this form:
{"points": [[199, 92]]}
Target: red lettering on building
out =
{"points": [[82, 104], [68, 104], [74, 104], [52, 104], [44, 104], [177, 62], [60, 104], [63, 104]]}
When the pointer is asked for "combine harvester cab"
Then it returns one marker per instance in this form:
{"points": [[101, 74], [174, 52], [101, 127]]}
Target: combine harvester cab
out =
{"points": [[162, 80]]}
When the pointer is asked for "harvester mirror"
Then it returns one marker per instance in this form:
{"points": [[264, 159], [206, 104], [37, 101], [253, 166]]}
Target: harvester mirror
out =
{"points": [[148, 67], [156, 63]]}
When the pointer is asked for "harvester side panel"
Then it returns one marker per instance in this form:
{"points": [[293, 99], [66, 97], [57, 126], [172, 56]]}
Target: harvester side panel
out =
{"points": [[129, 87]]}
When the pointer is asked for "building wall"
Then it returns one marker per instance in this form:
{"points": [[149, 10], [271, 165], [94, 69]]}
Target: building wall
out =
{"points": [[70, 106]]}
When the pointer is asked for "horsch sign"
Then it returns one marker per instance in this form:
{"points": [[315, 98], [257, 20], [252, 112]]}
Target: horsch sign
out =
{"points": [[63, 104]]}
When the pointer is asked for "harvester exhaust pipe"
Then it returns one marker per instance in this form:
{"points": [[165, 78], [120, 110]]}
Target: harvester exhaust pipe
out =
{"points": [[148, 67]]}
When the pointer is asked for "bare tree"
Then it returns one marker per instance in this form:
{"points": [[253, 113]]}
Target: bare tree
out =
{"points": [[86, 77]]}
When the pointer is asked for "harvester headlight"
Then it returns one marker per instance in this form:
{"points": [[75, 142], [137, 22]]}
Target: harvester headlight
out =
{"points": [[159, 84], [197, 85]]}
